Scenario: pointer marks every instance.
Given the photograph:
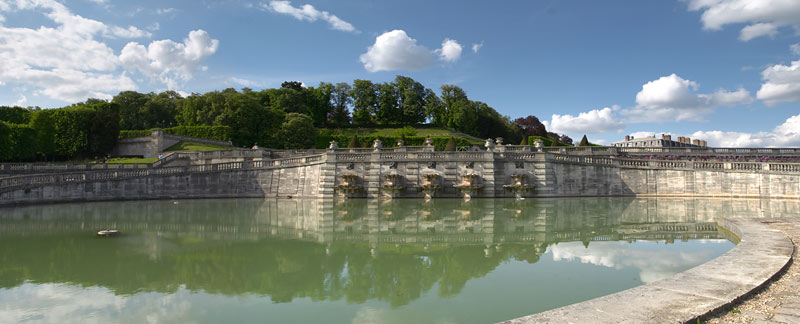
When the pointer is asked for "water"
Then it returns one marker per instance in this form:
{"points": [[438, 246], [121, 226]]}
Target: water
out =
{"points": [[356, 261]]}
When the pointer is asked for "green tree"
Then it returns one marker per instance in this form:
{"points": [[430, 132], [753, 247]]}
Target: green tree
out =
{"points": [[411, 100], [451, 145], [584, 141], [298, 131], [354, 142], [387, 112], [364, 94], [103, 129], [340, 99]]}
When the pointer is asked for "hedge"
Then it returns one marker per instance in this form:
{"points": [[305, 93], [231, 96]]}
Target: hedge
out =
{"points": [[18, 142], [439, 142], [123, 134], [217, 133], [546, 141]]}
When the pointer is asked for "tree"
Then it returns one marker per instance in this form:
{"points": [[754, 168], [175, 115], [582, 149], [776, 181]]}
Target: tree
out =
{"points": [[451, 145], [524, 141], [294, 85], [298, 131], [318, 103], [411, 100], [387, 112], [584, 141], [565, 139], [129, 103], [364, 95], [531, 126], [340, 99], [354, 143]]}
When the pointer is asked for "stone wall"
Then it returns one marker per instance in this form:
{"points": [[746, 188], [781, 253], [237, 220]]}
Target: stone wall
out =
{"points": [[283, 182], [151, 146], [323, 176]]}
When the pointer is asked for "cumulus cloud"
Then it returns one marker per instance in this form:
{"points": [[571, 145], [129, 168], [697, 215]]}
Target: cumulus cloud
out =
{"points": [[782, 84], [74, 65], [167, 60], [590, 122], [763, 17], [307, 12], [674, 98], [783, 135], [450, 51], [652, 265], [758, 30], [395, 50], [795, 48]]}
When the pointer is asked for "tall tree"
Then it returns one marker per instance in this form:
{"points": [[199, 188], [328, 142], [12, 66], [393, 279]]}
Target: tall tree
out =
{"points": [[340, 98], [584, 141], [531, 126], [387, 112], [411, 100], [364, 94]]}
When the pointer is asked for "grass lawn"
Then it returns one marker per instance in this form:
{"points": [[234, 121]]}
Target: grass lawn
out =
{"points": [[193, 146]]}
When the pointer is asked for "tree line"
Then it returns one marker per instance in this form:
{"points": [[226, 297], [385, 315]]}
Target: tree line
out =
{"points": [[285, 117]]}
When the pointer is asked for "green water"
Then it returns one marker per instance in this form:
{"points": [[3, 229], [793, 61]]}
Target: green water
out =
{"points": [[355, 261]]}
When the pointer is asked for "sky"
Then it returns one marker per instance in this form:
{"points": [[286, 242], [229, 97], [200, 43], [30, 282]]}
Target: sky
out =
{"points": [[726, 71]]}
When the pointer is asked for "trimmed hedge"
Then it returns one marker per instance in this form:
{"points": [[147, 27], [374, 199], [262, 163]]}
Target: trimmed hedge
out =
{"points": [[546, 141], [439, 142], [217, 133], [18, 142], [123, 134]]}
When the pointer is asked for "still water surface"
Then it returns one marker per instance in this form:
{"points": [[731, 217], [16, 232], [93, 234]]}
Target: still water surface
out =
{"points": [[355, 261]]}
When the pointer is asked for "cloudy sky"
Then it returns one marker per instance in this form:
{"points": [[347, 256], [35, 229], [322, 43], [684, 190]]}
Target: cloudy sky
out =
{"points": [[727, 71]]}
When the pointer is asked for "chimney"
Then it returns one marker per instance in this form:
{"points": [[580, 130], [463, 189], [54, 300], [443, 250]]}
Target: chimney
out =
{"points": [[703, 143], [688, 140], [666, 137], [696, 142], [627, 138]]}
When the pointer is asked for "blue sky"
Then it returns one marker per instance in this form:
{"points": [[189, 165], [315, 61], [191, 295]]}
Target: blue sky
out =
{"points": [[727, 71]]}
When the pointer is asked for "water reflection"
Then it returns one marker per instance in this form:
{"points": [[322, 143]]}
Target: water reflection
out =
{"points": [[353, 251]]}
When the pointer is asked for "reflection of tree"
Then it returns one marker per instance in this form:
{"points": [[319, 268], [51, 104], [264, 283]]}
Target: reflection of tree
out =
{"points": [[206, 245], [280, 269]]}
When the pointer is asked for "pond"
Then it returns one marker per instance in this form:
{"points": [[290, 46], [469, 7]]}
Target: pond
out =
{"points": [[350, 261]]}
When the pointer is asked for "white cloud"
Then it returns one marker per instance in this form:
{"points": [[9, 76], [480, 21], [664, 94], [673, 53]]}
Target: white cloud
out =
{"points": [[21, 101], [783, 135], [795, 48], [394, 50], [66, 62], [164, 11], [758, 30], [450, 51], [169, 61], [590, 122], [652, 265], [307, 12], [763, 17], [476, 47], [782, 84], [673, 98]]}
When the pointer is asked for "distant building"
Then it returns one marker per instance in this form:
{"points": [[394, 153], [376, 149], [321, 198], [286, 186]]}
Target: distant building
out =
{"points": [[665, 141]]}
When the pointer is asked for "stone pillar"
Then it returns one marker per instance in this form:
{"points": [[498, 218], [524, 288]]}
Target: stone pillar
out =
{"points": [[327, 182], [372, 174]]}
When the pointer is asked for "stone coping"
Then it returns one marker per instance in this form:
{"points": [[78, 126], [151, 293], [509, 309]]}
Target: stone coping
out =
{"points": [[762, 253]]}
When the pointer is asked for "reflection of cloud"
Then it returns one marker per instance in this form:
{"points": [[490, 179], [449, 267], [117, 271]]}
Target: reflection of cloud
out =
{"points": [[653, 265], [64, 303]]}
